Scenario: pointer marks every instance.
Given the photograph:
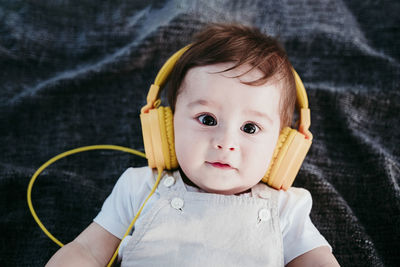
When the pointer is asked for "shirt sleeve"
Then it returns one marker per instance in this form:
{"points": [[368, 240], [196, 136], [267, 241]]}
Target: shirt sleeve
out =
{"points": [[121, 205], [298, 232]]}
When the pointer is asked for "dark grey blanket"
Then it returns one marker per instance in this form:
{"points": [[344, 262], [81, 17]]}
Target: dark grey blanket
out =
{"points": [[75, 73]]}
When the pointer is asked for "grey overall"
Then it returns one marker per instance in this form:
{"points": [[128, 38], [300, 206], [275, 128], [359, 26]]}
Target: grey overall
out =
{"points": [[187, 228]]}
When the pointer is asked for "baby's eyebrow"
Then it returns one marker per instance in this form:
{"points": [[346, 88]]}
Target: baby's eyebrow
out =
{"points": [[259, 114], [203, 102]]}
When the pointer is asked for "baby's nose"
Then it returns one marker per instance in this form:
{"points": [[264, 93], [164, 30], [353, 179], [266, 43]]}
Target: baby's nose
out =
{"points": [[225, 139], [221, 147]]}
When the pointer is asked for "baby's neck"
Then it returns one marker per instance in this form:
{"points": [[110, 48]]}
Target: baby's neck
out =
{"points": [[188, 182]]}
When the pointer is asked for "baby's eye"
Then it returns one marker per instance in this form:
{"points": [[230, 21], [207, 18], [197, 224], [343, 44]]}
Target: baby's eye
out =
{"points": [[250, 128], [207, 120]]}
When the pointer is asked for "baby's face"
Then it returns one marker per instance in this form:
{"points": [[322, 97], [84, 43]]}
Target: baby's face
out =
{"points": [[225, 131]]}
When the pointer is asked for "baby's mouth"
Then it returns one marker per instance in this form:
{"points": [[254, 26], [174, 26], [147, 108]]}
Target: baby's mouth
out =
{"points": [[220, 165]]}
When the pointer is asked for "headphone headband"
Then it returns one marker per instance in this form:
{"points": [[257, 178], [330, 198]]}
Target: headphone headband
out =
{"points": [[161, 78], [168, 66]]}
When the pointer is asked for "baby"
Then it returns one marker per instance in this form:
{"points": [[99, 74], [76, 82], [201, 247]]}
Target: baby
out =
{"points": [[231, 94]]}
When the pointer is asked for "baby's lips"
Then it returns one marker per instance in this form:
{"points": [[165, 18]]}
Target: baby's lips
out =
{"points": [[221, 164]]}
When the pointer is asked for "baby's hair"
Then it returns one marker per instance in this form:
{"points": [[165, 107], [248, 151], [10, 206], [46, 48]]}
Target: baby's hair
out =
{"points": [[242, 45]]}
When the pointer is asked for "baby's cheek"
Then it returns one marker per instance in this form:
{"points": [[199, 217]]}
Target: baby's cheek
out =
{"points": [[183, 154], [261, 162], [261, 168]]}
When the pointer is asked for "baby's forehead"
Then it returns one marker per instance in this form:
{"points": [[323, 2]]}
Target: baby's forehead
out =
{"points": [[231, 75], [246, 73], [219, 87]]}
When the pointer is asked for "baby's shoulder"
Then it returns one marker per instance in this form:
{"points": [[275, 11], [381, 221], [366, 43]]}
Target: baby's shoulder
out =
{"points": [[137, 177], [136, 172], [294, 200], [293, 197], [294, 194]]}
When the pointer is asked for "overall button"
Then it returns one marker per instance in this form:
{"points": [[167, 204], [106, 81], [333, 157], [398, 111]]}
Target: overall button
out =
{"points": [[169, 181], [264, 215], [177, 203]]}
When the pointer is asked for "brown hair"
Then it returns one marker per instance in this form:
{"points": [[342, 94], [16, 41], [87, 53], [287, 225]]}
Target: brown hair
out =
{"points": [[222, 43]]}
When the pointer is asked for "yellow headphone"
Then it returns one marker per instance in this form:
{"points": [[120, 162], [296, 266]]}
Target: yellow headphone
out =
{"points": [[158, 133]]}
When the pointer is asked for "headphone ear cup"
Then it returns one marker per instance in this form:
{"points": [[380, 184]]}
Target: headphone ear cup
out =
{"points": [[147, 139], [158, 138], [166, 120], [289, 154]]}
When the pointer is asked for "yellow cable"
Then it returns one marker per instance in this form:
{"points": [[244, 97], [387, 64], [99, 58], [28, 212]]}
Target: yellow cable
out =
{"points": [[78, 150]]}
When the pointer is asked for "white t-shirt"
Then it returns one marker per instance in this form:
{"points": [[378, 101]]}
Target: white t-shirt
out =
{"points": [[298, 232]]}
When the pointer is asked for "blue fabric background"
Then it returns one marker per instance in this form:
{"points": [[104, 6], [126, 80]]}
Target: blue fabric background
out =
{"points": [[75, 73]]}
